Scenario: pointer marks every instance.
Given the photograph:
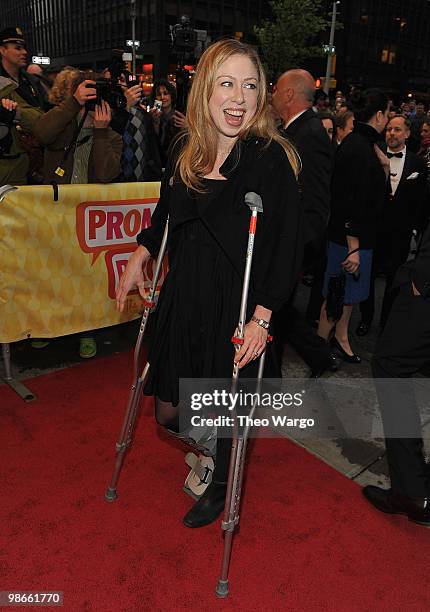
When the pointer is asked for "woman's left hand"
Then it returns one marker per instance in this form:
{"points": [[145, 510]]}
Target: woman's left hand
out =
{"points": [[179, 120], [254, 343]]}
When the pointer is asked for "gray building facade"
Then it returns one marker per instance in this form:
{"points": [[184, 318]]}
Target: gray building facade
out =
{"points": [[382, 43], [84, 32]]}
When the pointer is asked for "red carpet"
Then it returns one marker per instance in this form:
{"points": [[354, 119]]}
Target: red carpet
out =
{"points": [[307, 540]]}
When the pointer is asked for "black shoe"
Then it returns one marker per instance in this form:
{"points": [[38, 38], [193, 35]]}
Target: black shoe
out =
{"points": [[329, 365], [417, 509], [208, 508], [362, 328], [343, 354]]}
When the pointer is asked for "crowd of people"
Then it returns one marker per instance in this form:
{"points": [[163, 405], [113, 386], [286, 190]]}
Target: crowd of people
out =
{"points": [[123, 136], [64, 131], [345, 193]]}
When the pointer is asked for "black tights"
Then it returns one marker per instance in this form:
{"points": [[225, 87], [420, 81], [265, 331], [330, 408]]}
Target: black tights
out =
{"points": [[167, 415]]}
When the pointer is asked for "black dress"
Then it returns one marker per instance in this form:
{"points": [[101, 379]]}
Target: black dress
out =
{"points": [[198, 308], [199, 303]]}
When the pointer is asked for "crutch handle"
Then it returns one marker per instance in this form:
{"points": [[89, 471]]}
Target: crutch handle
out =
{"points": [[237, 340]]}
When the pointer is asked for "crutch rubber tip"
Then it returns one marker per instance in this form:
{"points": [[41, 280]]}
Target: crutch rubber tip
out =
{"points": [[111, 495], [222, 588]]}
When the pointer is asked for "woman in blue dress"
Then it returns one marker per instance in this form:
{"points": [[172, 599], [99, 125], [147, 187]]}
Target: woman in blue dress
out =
{"points": [[358, 190]]}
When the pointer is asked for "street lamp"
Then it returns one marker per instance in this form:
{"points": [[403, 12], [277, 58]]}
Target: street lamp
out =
{"points": [[330, 48], [133, 33]]}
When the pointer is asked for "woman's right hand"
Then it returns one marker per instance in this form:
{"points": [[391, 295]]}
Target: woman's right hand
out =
{"points": [[132, 275], [9, 105], [155, 116]]}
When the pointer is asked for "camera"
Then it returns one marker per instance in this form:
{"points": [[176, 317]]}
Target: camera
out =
{"points": [[183, 36], [157, 105], [110, 92], [128, 78]]}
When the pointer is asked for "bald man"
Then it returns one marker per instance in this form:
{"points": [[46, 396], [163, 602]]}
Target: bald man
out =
{"points": [[34, 69], [293, 99]]}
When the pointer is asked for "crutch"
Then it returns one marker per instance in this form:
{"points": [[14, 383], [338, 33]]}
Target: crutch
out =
{"points": [[126, 434], [239, 443]]}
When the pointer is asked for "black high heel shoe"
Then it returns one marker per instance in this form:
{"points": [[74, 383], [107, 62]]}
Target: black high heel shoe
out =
{"points": [[342, 353]]}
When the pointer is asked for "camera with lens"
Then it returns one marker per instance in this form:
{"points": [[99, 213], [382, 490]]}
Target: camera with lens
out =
{"points": [[110, 92], [183, 36]]}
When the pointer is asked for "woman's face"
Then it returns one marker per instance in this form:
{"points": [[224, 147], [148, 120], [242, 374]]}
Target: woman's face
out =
{"points": [[425, 131], [165, 97], [382, 120], [233, 102], [328, 126]]}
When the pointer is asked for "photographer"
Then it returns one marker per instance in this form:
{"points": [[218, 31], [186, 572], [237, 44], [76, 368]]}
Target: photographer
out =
{"points": [[168, 121], [140, 159], [96, 154]]}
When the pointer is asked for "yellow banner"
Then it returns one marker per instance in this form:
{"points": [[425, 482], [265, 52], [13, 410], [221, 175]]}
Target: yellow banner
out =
{"points": [[60, 261]]}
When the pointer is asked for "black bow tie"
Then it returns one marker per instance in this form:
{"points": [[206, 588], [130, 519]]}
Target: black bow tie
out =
{"points": [[390, 155]]}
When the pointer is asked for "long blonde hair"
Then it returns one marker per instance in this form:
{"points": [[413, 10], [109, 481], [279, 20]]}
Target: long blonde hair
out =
{"points": [[198, 156]]}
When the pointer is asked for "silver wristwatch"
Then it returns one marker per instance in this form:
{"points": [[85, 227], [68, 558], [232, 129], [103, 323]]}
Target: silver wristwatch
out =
{"points": [[261, 322]]}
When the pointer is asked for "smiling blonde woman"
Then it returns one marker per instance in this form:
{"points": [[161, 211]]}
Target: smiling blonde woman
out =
{"points": [[231, 148]]}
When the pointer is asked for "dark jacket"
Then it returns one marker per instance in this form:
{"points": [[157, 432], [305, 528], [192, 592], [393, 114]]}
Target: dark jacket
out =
{"points": [[316, 153], [409, 207], [358, 188], [251, 166], [418, 269], [29, 88], [14, 167], [55, 130]]}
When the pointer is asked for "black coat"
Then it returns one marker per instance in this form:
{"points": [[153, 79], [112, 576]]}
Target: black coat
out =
{"points": [[408, 208], [316, 153], [418, 270], [358, 188], [251, 166]]}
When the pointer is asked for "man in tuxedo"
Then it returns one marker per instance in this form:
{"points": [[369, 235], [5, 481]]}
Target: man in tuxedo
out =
{"points": [[405, 210], [402, 350], [292, 99]]}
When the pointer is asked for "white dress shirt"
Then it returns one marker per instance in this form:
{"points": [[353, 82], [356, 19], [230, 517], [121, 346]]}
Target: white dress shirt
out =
{"points": [[396, 169]]}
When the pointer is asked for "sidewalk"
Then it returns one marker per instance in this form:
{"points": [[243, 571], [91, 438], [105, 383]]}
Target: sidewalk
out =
{"points": [[361, 460]]}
